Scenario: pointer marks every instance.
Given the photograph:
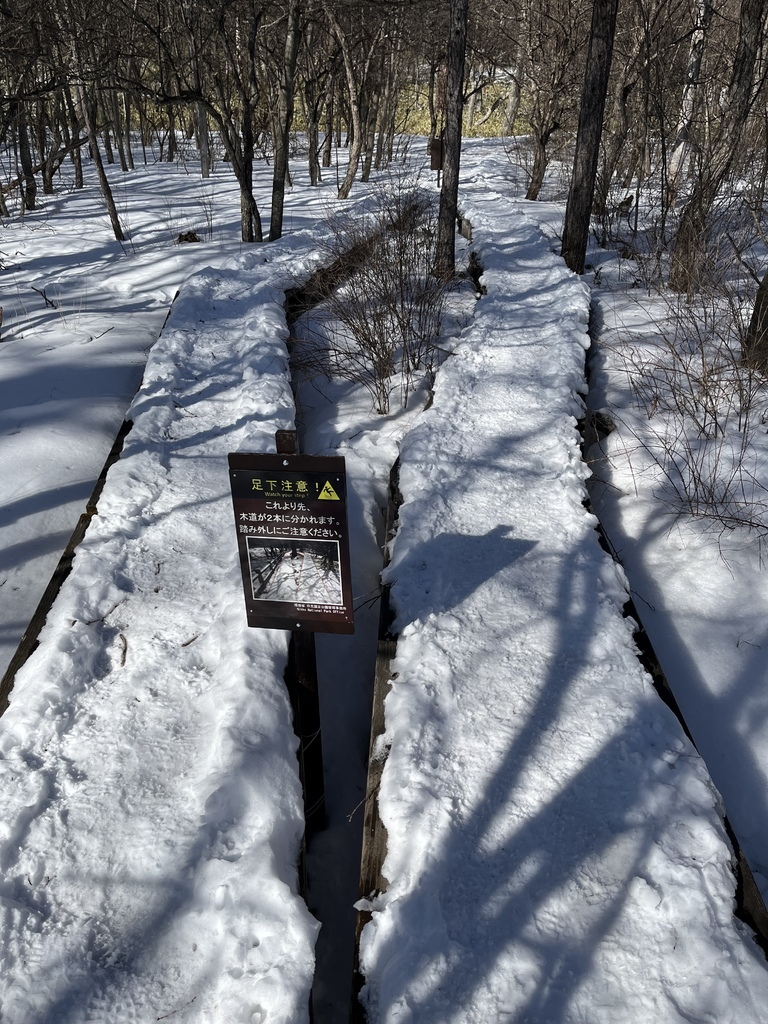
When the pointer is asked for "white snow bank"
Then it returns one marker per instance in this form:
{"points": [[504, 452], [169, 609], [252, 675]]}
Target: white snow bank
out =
{"points": [[150, 804], [700, 584], [555, 849], [80, 313]]}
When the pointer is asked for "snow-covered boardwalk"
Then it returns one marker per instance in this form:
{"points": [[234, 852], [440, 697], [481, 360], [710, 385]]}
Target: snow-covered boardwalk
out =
{"points": [[150, 806], [555, 849], [556, 852]]}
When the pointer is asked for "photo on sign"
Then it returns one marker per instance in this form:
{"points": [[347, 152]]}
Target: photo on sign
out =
{"points": [[296, 570]]}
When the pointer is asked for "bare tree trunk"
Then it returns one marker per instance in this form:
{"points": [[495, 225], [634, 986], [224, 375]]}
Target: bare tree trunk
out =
{"points": [[127, 141], [117, 127], [200, 115], [203, 140], [313, 136], [579, 206], [389, 102], [688, 102], [285, 97], [370, 134], [356, 145], [100, 103], [691, 241], [171, 135], [445, 248], [106, 191], [240, 144], [474, 95], [433, 121], [74, 122], [28, 181], [53, 158], [615, 134], [310, 97], [309, 102], [330, 113], [250, 218], [756, 346], [512, 106], [540, 161]]}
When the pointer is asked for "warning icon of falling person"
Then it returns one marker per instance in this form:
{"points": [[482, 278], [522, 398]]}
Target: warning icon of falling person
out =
{"points": [[328, 493]]}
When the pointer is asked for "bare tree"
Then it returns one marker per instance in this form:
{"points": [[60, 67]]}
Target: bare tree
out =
{"points": [[357, 64], [285, 104], [553, 45], [756, 344], [691, 241], [445, 254], [691, 89], [579, 206]]}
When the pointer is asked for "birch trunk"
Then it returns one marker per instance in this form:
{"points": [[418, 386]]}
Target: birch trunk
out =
{"points": [[445, 254], [681, 145], [689, 253]]}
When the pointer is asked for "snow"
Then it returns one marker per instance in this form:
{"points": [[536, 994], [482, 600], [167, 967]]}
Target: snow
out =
{"points": [[152, 808], [69, 366], [553, 840], [699, 585], [556, 850]]}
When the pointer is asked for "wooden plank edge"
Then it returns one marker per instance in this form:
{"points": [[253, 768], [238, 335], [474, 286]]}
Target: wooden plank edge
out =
{"points": [[29, 640], [372, 880]]}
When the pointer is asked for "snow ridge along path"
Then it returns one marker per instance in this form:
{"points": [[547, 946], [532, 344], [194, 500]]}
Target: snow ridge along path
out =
{"points": [[151, 812], [555, 846]]}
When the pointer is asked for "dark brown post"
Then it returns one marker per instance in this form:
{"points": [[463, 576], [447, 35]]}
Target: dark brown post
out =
{"points": [[301, 680]]}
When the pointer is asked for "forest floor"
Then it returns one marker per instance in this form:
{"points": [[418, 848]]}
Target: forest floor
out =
{"points": [[556, 848]]}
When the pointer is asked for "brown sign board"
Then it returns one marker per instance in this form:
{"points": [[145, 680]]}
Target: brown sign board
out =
{"points": [[436, 154], [291, 519]]}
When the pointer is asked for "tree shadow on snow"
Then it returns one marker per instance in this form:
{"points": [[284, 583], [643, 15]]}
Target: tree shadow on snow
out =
{"points": [[522, 889], [471, 560]]}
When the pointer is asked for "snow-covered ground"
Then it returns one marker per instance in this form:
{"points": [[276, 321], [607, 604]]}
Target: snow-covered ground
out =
{"points": [[80, 313], [698, 581], [555, 845]]}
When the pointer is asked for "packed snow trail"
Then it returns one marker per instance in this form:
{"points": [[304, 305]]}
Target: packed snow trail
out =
{"points": [[151, 807], [555, 847]]}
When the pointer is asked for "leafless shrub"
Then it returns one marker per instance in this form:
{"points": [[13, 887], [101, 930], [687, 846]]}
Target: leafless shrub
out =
{"points": [[385, 318], [706, 413]]}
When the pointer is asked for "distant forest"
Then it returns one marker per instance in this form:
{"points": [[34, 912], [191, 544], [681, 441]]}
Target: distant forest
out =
{"points": [[684, 128]]}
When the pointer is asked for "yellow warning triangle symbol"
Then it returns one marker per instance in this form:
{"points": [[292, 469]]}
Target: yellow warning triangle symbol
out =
{"points": [[328, 493]]}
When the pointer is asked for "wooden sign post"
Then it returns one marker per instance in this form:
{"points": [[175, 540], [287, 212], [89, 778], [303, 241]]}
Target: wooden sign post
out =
{"points": [[291, 519]]}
